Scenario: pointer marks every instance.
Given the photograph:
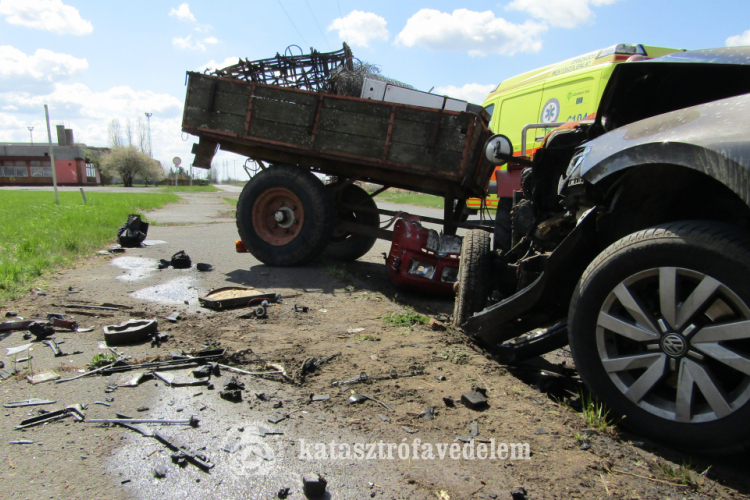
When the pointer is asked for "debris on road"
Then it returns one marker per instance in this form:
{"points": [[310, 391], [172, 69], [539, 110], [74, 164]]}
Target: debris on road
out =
{"points": [[133, 232], [41, 330], [474, 400], [132, 330], [54, 346], [363, 377], [42, 377], [233, 296], [518, 493], [311, 364], [314, 486], [203, 267], [11, 326], [193, 421], [29, 402], [181, 260], [301, 309], [21, 441], [173, 317], [74, 411], [320, 397], [160, 471], [449, 402]]}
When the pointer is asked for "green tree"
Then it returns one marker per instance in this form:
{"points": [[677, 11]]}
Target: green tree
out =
{"points": [[128, 163]]}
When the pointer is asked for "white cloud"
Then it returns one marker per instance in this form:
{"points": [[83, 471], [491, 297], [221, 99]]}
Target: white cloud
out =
{"points": [[188, 43], [182, 13], [77, 100], [472, 92], [49, 15], [478, 33], [739, 40], [43, 65], [559, 13], [212, 65], [360, 28]]}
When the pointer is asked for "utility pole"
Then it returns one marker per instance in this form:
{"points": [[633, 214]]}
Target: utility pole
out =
{"points": [[52, 156], [148, 118], [31, 134]]}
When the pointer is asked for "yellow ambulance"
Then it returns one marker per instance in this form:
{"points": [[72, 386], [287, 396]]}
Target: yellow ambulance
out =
{"points": [[565, 92]]}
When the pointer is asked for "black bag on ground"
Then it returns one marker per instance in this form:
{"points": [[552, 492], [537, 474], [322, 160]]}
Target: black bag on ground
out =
{"points": [[181, 260], [133, 232]]}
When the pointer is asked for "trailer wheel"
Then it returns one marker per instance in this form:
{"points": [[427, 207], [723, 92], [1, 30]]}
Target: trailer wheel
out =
{"points": [[473, 276], [285, 216], [658, 329], [350, 246]]}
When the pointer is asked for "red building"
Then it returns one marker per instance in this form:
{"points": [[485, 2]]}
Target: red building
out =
{"points": [[24, 164]]}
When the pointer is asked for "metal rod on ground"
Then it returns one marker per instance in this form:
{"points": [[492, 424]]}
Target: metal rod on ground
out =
{"points": [[58, 381], [84, 196], [193, 421], [52, 156]]}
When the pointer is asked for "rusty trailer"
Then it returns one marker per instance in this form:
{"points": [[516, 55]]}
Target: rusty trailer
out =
{"points": [[286, 215]]}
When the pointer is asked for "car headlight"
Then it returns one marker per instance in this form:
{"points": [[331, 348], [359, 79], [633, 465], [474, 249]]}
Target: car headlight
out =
{"points": [[577, 160], [422, 269], [449, 275]]}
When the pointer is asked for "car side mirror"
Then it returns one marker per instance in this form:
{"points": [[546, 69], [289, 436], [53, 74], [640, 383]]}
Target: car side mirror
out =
{"points": [[498, 149]]}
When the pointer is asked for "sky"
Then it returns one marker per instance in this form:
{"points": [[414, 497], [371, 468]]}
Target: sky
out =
{"points": [[95, 61]]}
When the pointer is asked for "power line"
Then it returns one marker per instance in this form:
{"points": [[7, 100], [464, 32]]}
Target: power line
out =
{"points": [[316, 22], [341, 16], [290, 20]]}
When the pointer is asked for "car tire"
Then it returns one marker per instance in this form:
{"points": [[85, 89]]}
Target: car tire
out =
{"points": [[305, 209], [351, 246], [659, 329], [473, 276]]}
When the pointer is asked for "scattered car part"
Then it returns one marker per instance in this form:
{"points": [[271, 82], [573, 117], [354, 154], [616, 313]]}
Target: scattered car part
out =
{"points": [[182, 453], [320, 397], [133, 330], [193, 421], [10, 326], [314, 486], [41, 330], [232, 296], [534, 344], [173, 317], [422, 259], [54, 346], [363, 377], [29, 402], [50, 417], [203, 267], [42, 377], [474, 400], [301, 309]]}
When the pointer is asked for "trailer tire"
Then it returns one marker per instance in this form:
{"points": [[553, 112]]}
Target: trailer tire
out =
{"points": [[473, 276], [285, 216], [351, 246]]}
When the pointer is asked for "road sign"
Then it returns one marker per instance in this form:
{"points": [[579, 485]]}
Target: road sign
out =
{"points": [[176, 160]]}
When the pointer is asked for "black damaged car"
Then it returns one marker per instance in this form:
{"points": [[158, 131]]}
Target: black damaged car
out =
{"points": [[631, 242]]}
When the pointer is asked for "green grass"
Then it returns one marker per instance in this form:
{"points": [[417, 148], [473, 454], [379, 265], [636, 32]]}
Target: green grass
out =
{"points": [[411, 198], [682, 474], [37, 236], [595, 414], [190, 189], [100, 360], [407, 319], [231, 201]]}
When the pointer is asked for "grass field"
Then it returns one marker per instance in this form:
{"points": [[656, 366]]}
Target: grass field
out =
{"points": [[190, 189], [410, 198], [36, 235], [231, 201]]}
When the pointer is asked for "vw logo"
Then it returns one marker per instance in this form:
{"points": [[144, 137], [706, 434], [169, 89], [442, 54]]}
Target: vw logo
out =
{"points": [[673, 344]]}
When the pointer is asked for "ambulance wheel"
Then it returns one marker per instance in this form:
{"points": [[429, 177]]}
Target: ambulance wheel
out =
{"points": [[285, 216], [473, 282], [350, 246]]}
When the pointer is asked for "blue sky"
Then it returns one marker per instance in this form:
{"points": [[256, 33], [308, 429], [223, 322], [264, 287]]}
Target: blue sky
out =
{"points": [[93, 61]]}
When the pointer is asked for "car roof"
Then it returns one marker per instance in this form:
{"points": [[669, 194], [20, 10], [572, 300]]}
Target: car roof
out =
{"points": [[723, 55]]}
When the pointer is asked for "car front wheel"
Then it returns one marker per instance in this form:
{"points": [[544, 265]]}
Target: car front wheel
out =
{"points": [[659, 328]]}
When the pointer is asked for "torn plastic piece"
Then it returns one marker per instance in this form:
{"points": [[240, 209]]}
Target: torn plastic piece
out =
{"points": [[173, 317], [43, 377], [130, 331]]}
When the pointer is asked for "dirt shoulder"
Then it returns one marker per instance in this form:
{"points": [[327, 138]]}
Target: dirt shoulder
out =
{"points": [[346, 305]]}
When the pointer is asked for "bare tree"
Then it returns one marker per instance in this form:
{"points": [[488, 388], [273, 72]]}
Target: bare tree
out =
{"points": [[114, 133], [141, 134], [129, 132]]}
